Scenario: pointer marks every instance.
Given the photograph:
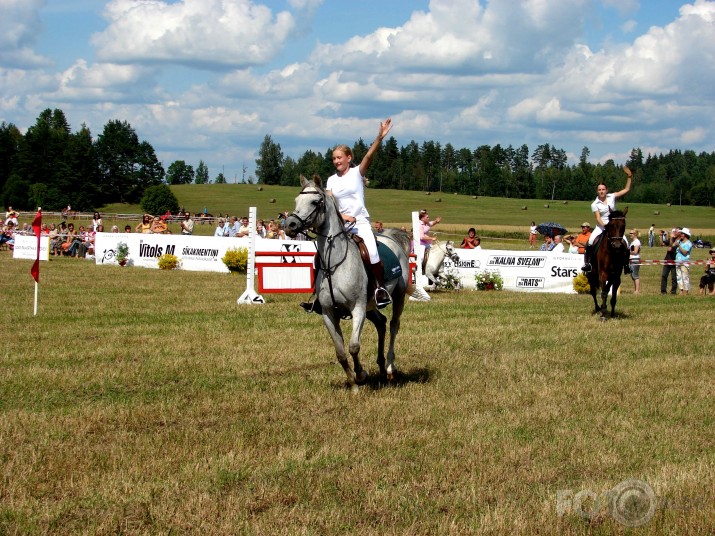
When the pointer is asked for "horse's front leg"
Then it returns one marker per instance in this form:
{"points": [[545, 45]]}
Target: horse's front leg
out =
{"points": [[354, 348], [380, 322], [332, 323], [614, 296], [604, 299]]}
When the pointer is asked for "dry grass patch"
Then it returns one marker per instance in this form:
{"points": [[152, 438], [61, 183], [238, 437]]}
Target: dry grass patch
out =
{"points": [[146, 401]]}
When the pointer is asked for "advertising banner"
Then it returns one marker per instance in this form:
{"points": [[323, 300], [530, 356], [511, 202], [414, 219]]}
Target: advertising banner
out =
{"points": [[26, 247], [525, 271], [195, 253]]}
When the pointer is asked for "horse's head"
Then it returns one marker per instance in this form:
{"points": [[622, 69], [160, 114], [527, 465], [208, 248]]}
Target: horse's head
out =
{"points": [[616, 228], [309, 212], [449, 251]]}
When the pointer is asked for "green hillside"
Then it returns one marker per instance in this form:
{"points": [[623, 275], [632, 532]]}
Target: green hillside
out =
{"points": [[459, 212]]}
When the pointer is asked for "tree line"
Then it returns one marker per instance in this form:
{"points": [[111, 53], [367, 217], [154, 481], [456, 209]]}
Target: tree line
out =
{"points": [[678, 177], [52, 167]]}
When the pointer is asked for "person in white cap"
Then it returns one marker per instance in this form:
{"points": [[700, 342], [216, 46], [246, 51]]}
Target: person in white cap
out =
{"points": [[601, 208], [682, 246]]}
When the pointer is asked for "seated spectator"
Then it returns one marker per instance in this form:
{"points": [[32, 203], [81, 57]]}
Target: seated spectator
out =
{"points": [[158, 226], [7, 237], [243, 230], [558, 245], [232, 226], [261, 229], [275, 231], [548, 244], [470, 241], [115, 229], [68, 239], [79, 237], [127, 228], [707, 282], [56, 238], [145, 225], [87, 245], [221, 228]]}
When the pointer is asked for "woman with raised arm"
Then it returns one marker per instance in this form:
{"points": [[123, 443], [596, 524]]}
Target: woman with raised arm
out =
{"points": [[601, 208], [347, 186]]}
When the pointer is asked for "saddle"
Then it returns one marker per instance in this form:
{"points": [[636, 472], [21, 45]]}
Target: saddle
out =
{"points": [[391, 264]]}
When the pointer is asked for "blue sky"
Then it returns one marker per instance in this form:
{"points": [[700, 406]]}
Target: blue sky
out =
{"points": [[208, 79]]}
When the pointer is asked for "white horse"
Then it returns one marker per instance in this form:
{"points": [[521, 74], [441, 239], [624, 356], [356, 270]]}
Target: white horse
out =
{"points": [[435, 260], [342, 280]]}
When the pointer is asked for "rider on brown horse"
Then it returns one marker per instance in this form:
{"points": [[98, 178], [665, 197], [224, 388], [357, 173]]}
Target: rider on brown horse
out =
{"points": [[604, 204]]}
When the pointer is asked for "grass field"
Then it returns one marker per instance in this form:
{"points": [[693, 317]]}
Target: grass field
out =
{"points": [[146, 402]]}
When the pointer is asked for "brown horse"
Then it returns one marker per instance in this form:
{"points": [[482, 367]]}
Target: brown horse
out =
{"points": [[612, 256]]}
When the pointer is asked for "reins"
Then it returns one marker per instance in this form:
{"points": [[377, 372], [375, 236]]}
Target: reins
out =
{"points": [[324, 264]]}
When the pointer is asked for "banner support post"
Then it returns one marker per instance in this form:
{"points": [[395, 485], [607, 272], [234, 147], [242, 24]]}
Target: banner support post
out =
{"points": [[249, 296]]}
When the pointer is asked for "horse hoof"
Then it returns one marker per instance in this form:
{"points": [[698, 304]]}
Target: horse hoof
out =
{"points": [[360, 377]]}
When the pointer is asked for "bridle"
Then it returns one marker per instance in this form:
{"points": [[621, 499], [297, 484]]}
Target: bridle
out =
{"points": [[615, 242], [319, 206]]}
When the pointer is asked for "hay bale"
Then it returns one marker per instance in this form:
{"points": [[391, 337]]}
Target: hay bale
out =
{"points": [[656, 213], [524, 207], [546, 205], [474, 197], [260, 188], [438, 200], [428, 193], [566, 202], [668, 205], [272, 200]]}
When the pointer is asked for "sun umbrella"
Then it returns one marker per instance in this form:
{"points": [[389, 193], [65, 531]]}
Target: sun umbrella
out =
{"points": [[551, 228]]}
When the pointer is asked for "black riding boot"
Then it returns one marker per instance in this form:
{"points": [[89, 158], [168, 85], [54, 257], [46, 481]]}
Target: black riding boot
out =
{"points": [[382, 296], [586, 268], [312, 307]]}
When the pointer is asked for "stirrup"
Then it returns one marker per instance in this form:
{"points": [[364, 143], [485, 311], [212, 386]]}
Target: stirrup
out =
{"points": [[586, 268], [382, 297], [312, 307]]}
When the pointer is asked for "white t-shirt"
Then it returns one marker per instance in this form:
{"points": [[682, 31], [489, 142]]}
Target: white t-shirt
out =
{"points": [[349, 192], [636, 244], [558, 248]]}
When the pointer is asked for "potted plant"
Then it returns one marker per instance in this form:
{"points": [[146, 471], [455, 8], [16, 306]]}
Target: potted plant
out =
{"points": [[487, 280], [122, 253], [236, 260]]}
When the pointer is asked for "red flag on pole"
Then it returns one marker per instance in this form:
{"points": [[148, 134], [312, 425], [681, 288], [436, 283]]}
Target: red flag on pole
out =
{"points": [[37, 228]]}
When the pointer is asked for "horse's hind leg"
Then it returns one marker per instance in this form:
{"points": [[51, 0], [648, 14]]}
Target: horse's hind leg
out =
{"points": [[332, 323], [380, 322], [397, 307]]}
